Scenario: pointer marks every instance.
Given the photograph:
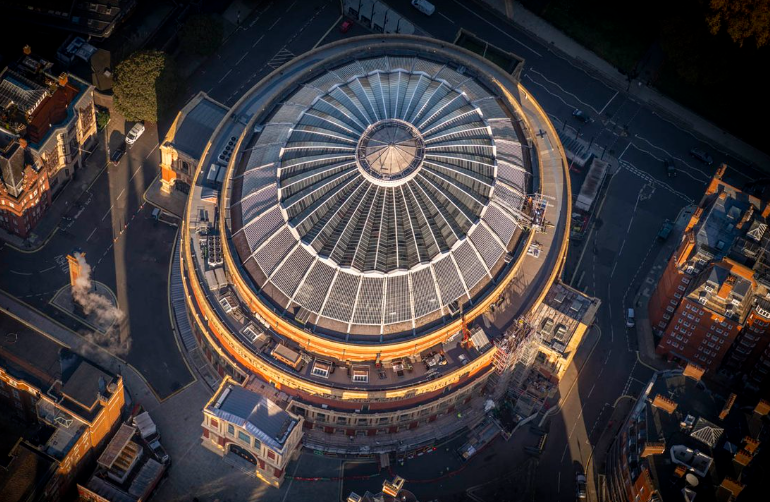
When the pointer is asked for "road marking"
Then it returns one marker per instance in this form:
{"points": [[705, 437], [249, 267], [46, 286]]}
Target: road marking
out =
{"points": [[613, 269], [290, 6], [327, 32], [273, 25], [565, 453], [652, 180], [624, 151], [47, 269], [442, 15], [500, 30], [108, 212], [558, 483], [258, 41], [91, 234], [562, 89], [591, 391], [608, 103], [121, 193], [135, 173], [225, 75], [549, 92], [242, 57], [19, 273]]}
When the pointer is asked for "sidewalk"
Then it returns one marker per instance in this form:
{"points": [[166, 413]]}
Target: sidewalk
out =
{"points": [[644, 333], [668, 109]]}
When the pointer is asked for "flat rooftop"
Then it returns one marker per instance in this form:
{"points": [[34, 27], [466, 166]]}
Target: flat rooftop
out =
{"points": [[28, 355]]}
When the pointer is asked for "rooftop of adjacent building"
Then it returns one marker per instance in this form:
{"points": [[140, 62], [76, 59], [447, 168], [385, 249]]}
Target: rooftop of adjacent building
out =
{"points": [[253, 411], [125, 458], [24, 472], [727, 248], [562, 311], [725, 288], [72, 382], [194, 125], [695, 437], [34, 102]]}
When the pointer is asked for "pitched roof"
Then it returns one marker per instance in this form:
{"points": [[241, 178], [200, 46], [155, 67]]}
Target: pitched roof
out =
{"points": [[706, 432], [264, 419], [20, 91], [195, 128]]}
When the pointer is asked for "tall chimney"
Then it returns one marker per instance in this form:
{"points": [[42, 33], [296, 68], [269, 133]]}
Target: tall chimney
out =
{"points": [[74, 268]]}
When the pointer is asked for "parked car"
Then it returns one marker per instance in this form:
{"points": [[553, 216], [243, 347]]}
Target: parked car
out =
{"points": [[630, 318], [346, 25], [702, 155], [581, 116], [668, 164], [118, 153], [134, 133], [158, 451], [580, 489], [665, 230], [424, 6]]}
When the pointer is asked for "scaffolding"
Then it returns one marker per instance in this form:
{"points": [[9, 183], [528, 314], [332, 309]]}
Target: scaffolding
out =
{"points": [[513, 361], [532, 213]]}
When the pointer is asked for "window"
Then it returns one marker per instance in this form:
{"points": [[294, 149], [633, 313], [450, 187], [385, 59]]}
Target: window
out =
{"points": [[214, 423], [271, 454], [681, 288], [361, 375], [257, 444], [321, 369], [230, 429], [242, 436]]}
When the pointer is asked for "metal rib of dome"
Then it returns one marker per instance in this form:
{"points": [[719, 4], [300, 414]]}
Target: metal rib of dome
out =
{"points": [[406, 157], [379, 194]]}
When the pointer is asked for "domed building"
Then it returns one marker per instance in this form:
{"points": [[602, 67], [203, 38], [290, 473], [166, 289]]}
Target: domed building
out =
{"points": [[349, 220]]}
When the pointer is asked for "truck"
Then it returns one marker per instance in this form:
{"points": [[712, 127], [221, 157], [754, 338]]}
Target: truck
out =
{"points": [[147, 429], [591, 185]]}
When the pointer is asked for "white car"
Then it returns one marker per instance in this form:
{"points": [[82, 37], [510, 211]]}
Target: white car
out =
{"points": [[134, 133]]}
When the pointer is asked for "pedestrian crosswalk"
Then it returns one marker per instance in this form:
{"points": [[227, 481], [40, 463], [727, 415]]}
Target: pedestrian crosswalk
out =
{"points": [[282, 57]]}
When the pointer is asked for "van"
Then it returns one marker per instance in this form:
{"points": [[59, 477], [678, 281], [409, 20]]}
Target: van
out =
{"points": [[630, 319], [424, 6], [156, 214]]}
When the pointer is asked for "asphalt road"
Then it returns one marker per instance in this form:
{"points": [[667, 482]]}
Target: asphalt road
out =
{"points": [[127, 250]]}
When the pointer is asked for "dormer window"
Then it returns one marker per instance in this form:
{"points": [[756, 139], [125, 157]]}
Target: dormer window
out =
{"points": [[321, 369]]}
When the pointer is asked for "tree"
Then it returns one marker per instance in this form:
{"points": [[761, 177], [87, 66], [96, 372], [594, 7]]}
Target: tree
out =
{"points": [[742, 19], [144, 85], [201, 34]]}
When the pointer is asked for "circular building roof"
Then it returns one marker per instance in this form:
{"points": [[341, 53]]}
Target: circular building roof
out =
{"points": [[380, 195]]}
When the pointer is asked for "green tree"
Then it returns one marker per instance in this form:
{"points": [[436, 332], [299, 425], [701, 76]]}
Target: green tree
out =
{"points": [[742, 19], [201, 34], [144, 85]]}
